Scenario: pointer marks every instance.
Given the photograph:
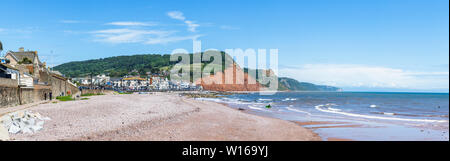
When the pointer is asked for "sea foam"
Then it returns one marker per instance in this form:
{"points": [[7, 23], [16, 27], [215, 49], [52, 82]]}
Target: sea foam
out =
{"points": [[320, 108], [296, 110]]}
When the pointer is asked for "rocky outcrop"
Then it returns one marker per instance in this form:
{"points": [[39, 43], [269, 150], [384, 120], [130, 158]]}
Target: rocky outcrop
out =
{"points": [[240, 82]]}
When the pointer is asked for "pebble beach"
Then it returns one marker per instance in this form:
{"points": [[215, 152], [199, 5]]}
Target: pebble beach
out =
{"points": [[157, 117]]}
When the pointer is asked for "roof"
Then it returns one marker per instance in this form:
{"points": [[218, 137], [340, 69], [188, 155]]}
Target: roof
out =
{"points": [[56, 72], [115, 79], [135, 78], [19, 56], [58, 76], [8, 66]]}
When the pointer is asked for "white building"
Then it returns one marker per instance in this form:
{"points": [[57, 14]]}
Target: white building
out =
{"points": [[98, 80], [135, 83], [83, 81]]}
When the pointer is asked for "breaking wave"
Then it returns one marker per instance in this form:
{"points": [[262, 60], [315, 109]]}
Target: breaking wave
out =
{"points": [[255, 108], [289, 99], [296, 110], [325, 108]]}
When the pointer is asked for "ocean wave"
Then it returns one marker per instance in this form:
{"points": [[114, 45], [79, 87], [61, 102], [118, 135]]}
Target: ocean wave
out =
{"points": [[334, 109], [296, 110], [320, 108], [409, 115], [289, 99], [235, 101], [226, 100], [255, 108]]}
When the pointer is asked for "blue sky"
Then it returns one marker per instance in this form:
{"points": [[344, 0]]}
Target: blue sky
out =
{"points": [[376, 45]]}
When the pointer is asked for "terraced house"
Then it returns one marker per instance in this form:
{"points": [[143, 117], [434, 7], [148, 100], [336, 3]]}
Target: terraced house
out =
{"points": [[25, 79]]}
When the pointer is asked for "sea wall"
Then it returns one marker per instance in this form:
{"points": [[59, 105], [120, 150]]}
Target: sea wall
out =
{"points": [[4, 82], [9, 92], [13, 96], [31, 95], [9, 96], [61, 87]]}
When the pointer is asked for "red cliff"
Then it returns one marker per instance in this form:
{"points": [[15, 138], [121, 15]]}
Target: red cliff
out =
{"points": [[236, 82]]}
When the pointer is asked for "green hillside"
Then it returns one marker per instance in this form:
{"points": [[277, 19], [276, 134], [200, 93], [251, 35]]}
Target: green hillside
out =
{"points": [[120, 66], [116, 66], [289, 84]]}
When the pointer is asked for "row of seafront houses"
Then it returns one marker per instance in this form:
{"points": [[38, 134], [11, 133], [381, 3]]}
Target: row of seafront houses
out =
{"points": [[25, 79], [136, 83], [26, 68]]}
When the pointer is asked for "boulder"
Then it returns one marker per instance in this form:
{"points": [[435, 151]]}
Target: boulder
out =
{"points": [[23, 121]]}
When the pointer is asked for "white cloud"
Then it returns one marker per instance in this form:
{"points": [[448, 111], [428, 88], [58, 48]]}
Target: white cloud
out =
{"points": [[345, 75], [192, 26], [70, 21], [226, 27], [19, 32], [165, 40], [176, 15], [131, 23], [125, 35], [72, 32], [131, 34]]}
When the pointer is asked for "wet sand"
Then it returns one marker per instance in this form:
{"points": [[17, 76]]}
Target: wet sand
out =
{"points": [[160, 116], [325, 124], [338, 139]]}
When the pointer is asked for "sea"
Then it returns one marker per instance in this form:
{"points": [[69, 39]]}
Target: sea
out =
{"points": [[364, 116]]}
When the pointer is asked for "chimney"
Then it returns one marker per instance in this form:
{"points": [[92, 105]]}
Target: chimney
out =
{"points": [[21, 49]]}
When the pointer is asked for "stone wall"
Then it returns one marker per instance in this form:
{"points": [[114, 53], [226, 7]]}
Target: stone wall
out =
{"points": [[9, 96], [30, 95], [6, 82], [44, 77], [58, 87], [94, 91], [73, 90], [61, 87], [13, 96]]}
